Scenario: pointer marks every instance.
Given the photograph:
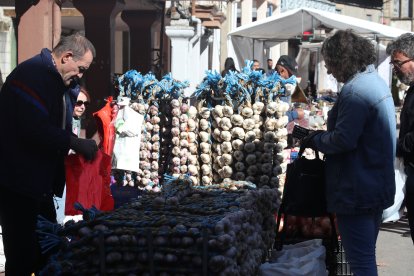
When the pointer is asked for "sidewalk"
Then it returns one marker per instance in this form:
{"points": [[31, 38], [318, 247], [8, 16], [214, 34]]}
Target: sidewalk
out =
{"points": [[395, 253]]}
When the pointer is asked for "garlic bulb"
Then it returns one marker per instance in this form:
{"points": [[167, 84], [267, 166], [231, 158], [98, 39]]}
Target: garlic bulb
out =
{"points": [[226, 147], [205, 113], [251, 159], [258, 108], [205, 147], [192, 112], [192, 147], [218, 111], [226, 159], [191, 137], [175, 122], [184, 135], [225, 123], [238, 155], [204, 124], [192, 159], [266, 168], [252, 170], [227, 111], [247, 112], [183, 127], [217, 135], [206, 169], [205, 158], [204, 136], [238, 133], [192, 125], [240, 176], [225, 135], [270, 136], [206, 180], [250, 136], [248, 124], [282, 121], [192, 170], [239, 166], [175, 103], [249, 147], [183, 118], [271, 124], [238, 144], [271, 108], [237, 120]]}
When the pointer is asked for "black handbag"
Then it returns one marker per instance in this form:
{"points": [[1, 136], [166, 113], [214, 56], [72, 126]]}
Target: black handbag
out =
{"points": [[304, 189]]}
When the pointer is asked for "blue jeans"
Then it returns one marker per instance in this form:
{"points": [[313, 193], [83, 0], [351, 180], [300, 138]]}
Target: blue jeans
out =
{"points": [[359, 235]]}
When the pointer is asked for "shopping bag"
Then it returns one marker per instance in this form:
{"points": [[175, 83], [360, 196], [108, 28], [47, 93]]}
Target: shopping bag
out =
{"points": [[301, 259], [395, 212], [87, 182], [304, 189], [105, 122]]}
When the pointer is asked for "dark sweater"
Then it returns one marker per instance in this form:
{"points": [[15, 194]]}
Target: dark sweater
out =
{"points": [[405, 143], [33, 143]]}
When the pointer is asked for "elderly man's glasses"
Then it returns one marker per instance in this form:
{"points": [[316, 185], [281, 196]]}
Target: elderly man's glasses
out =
{"points": [[399, 64], [80, 103]]}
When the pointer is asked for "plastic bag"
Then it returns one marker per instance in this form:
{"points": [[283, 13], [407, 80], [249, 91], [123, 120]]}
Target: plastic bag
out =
{"points": [[395, 212], [302, 259], [87, 182], [106, 129], [128, 140]]}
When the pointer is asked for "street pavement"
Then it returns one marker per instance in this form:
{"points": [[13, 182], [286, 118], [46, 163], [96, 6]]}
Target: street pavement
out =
{"points": [[395, 251]]}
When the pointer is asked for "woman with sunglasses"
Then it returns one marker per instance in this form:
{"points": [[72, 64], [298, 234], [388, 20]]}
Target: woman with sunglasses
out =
{"points": [[79, 109]]}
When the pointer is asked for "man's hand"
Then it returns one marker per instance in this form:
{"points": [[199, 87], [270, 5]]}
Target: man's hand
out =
{"points": [[86, 147]]}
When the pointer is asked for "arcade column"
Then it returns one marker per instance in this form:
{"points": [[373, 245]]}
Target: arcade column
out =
{"points": [[38, 27], [180, 32], [99, 20], [140, 34]]}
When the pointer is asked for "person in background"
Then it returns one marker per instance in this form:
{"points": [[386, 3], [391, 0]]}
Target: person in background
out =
{"points": [[359, 147], [402, 60], [270, 69], [228, 66], [255, 65], [286, 67], [82, 102], [80, 105], [34, 144]]}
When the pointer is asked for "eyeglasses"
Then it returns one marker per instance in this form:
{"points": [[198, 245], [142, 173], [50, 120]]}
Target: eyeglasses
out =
{"points": [[399, 64], [80, 103]]}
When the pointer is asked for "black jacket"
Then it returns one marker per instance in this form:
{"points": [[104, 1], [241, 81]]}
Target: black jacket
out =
{"points": [[405, 143], [32, 142]]}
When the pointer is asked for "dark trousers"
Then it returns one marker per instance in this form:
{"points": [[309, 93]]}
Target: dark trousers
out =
{"points": [[409, 198], [18, 217]]}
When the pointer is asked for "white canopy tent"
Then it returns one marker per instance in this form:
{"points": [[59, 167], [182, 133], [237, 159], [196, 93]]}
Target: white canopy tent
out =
{"points": [[251, 40]]}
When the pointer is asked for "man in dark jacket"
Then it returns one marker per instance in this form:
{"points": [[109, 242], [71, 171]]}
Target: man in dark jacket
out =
{"points": [[402, 59], [34, 143]]}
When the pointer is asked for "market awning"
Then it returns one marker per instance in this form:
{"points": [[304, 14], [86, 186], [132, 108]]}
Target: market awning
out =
{"points": [[251, 40], [294, 22]]}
